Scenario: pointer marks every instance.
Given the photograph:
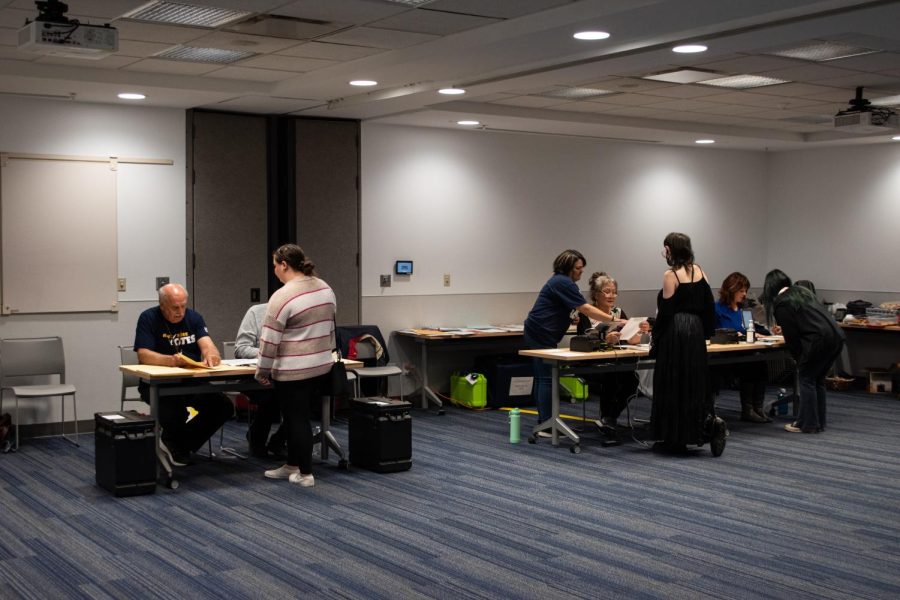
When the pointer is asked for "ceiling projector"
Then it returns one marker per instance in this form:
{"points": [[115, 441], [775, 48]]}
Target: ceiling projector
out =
{"points": [[53, 33], [862, 117]]}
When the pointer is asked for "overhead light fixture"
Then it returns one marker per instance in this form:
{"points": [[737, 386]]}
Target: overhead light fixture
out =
{"points": [[689, 49], [204, 55], [823, 51], [177, 13], [363, 82], [743, 82], [591, 35], [451, 91], [468, 123], [704, 141], [896, 138], [131, 96], [886, 101], [411, 2], [683, 76]]}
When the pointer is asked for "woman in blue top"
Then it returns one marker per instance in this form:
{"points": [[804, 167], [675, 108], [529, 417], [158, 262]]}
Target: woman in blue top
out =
{"points": [[556, 308], [751, 376]]}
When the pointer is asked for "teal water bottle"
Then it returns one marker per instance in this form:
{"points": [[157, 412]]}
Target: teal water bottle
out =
{"points": [[514, 419]]}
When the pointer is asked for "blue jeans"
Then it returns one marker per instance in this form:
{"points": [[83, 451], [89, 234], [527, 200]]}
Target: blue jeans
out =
{"points": [[541, 390]]}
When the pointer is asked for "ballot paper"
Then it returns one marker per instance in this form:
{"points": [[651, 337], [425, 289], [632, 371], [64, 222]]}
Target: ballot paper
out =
{"points": [[631, 327]]}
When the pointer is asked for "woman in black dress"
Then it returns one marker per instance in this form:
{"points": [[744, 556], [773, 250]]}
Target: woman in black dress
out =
{"points": [[682, 411], [813, 339]]}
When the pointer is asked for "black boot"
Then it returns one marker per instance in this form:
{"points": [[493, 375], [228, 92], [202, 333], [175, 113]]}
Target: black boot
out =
{"points": [[759, 398], [747, 404]]}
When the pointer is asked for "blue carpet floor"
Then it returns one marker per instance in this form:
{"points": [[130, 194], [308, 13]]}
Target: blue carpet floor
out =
{"points": [[779, 515]]}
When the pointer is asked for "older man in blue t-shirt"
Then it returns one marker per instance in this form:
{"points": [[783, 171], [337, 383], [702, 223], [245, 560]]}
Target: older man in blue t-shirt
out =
{"points": [[164, 335]]}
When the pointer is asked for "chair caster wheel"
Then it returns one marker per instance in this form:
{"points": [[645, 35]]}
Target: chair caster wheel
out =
{"points": [[172, 484], [441, 412], [532, 439], [575, 449]]}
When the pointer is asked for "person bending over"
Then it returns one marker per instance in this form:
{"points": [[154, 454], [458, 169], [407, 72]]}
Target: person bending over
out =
{"points": [[555, 309], [166, 334], [813, 339]]}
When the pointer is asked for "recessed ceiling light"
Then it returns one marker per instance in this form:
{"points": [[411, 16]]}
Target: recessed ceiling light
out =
{"points": [[363, 82], [896, 138], [689, 49], [704, 141], [451, 91], [591, 35], [131, 96], [468, 123], [743, 82], [577, 93]]}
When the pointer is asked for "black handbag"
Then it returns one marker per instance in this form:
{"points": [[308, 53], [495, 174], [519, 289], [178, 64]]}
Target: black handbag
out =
{"points": [[337, 380]]}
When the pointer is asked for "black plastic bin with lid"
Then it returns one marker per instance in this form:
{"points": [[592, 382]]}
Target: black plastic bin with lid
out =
{"points": [[380, 434], [125, 453]]}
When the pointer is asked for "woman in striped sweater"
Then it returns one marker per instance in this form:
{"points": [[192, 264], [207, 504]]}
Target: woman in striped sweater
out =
{"points": [[295, 347]]}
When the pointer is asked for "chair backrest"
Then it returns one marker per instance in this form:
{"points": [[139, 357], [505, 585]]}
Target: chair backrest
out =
{"points": [[345, 333], [23, 357], [228, 350], [128, 356], [365, 349]]}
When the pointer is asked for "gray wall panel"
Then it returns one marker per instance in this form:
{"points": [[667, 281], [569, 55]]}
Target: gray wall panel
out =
{"points": [[327, 155], [227, 218]]}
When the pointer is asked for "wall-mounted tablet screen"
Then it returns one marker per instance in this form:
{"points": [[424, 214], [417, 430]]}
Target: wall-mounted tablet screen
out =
{"points": [[403, 267]]}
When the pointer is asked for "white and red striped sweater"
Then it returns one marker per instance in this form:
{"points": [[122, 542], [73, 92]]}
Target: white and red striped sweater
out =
{"points": [[297, 336]]}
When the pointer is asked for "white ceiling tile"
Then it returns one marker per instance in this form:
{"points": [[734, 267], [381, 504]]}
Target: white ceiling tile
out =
{"points": [[433, 22], [862, 79], [286, 63], [152, 32], [91, 10], [140, 49], [808, 72], [335, 52], [640, 111], [750, 64], [285, 28], [378, 38], [171, 67], [357, 12], [586, 107], [239, 41], [762, 100], [245, 74], [264, 104], [107, 62], [683, 91], [682, 105], [488, 97], [627, 84], [501, 9], [530, 101], [731, 109], [869, 62], [817, 92], [628, 100]]}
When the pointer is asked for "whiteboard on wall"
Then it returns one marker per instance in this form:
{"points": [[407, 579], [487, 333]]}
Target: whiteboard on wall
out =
{"points": [[58, 217]]}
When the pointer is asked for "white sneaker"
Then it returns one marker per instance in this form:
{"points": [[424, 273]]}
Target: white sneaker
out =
{"points": [[302, 480], [282, 472], [544, 434]]}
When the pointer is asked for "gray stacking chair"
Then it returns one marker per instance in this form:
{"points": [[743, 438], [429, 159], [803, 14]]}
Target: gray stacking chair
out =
{"points": [[127, 356], [35, 357]]}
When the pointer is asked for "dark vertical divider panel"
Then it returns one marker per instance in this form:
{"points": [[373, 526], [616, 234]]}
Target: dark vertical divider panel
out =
{"points": [[327, 155], [282, 187], [227, 220]]}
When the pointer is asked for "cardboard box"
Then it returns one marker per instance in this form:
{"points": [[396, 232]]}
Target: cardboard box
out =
{"points": [[879, 382]]}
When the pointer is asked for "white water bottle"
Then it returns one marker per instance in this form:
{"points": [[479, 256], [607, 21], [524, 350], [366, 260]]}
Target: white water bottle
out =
{"points": [[751, 332]]}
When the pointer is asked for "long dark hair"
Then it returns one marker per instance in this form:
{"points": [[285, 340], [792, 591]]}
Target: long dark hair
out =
{"points": [[681, 255], [293, 255], [565, 262], [796, 296]]}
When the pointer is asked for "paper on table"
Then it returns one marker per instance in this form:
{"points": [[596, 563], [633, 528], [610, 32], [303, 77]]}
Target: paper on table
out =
{"points": [[631, 327]]}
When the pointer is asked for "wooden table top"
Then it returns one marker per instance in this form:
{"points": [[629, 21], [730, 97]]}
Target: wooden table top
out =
{"points": [[160, 372], [565, 355]]}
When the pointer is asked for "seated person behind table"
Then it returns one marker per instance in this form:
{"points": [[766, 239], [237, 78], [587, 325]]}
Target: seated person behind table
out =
{"points": [[617, 387], [751, 376], [163, 334], [247, 346]]}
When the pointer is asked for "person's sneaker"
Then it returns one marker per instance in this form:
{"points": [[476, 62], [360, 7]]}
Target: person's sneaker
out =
{"points": [[794, 428], [719, 436], [302, 480], [178, 459], [543, 434], [282, 472], [609, 422]]}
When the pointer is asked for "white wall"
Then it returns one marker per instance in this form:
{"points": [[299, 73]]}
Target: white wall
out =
{"points": [[151, 230], [833, 218]]}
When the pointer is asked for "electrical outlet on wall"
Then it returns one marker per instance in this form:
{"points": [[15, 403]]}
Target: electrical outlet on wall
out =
{"points": [[121, 284], [446, 279], [161, 281], [385, 281]]}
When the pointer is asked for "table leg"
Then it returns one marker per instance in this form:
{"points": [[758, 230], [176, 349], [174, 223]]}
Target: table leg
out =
{"points": [[555, 423], [162, 459], [427, 394]]}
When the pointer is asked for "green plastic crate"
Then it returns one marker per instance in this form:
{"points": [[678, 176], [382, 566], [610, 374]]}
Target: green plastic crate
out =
{"points": [[469, 390], [575, 387]]}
